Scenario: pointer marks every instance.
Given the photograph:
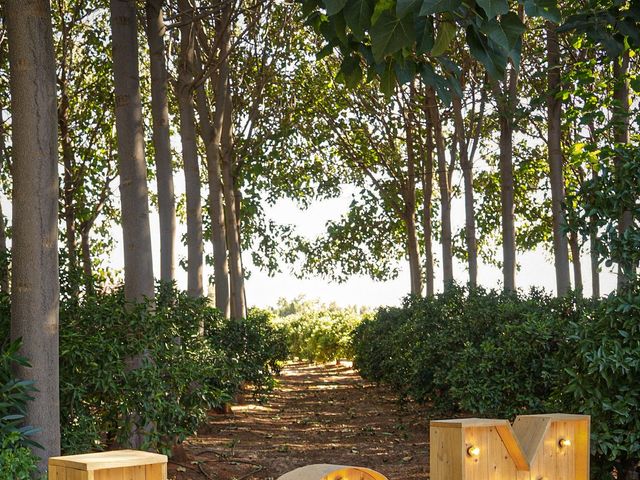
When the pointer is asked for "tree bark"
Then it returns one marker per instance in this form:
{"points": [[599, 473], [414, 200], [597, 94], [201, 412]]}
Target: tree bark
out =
{"points": [[211, 137], [427, 192], [595, 263], [445, 189], [409, 195], [469, 207], [556, 177], [195, 247], [621, 136], [161, 139], [236, 274], [87, 262], [69, 187], [35, 282], [577, 266], [4, 252]]}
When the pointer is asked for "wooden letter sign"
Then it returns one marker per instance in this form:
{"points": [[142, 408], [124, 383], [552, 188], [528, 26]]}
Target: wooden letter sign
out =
{"points": [[536, 447]]}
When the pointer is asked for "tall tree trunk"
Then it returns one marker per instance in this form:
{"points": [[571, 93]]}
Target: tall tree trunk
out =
{"points": [[595, 263], [4, 252], [161, 139], [211, 138], [445, 189], [87, 263], [195, 247], [575, 260], [138, 264], [427, 192], [138, 261], [409, 195], [554, 138], [506, 97], [69, 187], [35, 284], [236, 274], [621, 136], [469, 207]]}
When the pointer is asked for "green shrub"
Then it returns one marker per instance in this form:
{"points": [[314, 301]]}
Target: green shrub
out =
{"points": [[16, 458], [321, 334], [603, 368]]}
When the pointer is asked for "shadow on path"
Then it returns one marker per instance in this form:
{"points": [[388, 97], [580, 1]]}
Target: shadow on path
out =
{"points": [[317, 414]]}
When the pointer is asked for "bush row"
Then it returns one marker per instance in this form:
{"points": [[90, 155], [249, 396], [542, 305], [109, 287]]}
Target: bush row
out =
{"points": [[320, 334], [485, 353], [164, 364]]}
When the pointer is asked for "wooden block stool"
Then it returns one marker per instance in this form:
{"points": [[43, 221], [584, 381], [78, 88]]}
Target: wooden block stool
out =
{"points": [[116, 465]]}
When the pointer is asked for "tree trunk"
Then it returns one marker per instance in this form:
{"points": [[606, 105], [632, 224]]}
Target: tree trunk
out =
{"points": [[211, 138], [236, 274], [554, 138], [4, 252], [87, 263], [35, 282], [69, 187], [409, 195], [575, 259], [195, 247], [138, 264], [595, 263], [427, 192], [161, 139], [621, 136], [469, 207], [445, 189]]}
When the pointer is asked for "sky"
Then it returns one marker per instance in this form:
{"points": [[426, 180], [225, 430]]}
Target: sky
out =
{"points": [[536, 268]]}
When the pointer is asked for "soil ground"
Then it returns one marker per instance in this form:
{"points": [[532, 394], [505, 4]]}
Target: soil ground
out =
{"points": [[317, 414]]}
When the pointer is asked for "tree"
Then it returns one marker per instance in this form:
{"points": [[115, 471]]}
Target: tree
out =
{"points": [[35, 284], [138, 264], [195, 247], [161, 138], [554, 145]]}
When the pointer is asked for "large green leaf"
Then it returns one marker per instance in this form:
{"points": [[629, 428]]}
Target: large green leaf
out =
{"points": [[547, 9], [334, 6], [424, 39], [357, 14], [388, 78], [405, 6], [390, 34], [505, 32], [381, 6], [429, 7], [446, 33], [493, 8], [494, 61], [351, 71]]}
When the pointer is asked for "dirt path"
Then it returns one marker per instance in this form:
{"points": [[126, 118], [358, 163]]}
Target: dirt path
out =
{"points": [[318, 414]]}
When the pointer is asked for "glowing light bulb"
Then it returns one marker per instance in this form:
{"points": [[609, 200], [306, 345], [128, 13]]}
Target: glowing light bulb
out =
{"points": [[473, 451], [564, 442]]}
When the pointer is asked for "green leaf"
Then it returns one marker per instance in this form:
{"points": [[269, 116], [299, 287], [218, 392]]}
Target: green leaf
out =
{"points": [[388, 79], [494, 62], [405, 71], [635, 84], [429, 7], [390, 34], [334, 6], [405, 6], [351, 71], [446, 33], [424, 40], [547, 9], [357, 14], [493, 8], [505, 32], [381, 7]]}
